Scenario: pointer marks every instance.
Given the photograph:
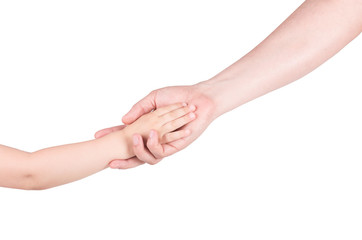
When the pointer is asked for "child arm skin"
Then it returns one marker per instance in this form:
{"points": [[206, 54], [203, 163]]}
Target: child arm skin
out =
{"points": [[55, 166]]}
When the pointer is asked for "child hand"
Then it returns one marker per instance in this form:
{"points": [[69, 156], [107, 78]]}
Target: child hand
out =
{"points": [[166, 121]]}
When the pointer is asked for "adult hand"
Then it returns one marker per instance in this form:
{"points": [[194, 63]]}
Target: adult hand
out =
{"points": [[152, 151]]}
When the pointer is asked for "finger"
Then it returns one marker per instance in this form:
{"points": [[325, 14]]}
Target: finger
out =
{"points": [[179, 122], [143, 106], [163, 110], [103, 132], [154, 145], [125, 163], [179, 112], [141, 152], [163, 150], [173, 136]]}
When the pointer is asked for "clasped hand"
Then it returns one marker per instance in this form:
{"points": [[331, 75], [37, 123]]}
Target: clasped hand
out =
{"points": [[149, 149]]}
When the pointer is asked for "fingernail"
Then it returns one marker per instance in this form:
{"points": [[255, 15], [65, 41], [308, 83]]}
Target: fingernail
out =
{"points": [[135, 140], [184, 104], [192, 107], [192, 115], [187, 131]]}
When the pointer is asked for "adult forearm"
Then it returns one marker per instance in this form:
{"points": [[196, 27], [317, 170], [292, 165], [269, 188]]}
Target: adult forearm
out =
{"points": [[316, 31]]}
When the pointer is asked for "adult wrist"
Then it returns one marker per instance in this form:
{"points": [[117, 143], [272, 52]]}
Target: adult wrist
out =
{"points": [[212, 91]]}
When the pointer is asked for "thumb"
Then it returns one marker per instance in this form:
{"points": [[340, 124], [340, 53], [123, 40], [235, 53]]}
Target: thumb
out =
{"points": [[125, 163], [145, 105]]}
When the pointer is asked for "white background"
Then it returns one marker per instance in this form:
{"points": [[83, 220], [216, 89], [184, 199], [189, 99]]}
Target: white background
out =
{"points": [[284, 166]]}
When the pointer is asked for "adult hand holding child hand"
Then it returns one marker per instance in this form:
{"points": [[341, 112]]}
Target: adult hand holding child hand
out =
{"points": [[151, 150]]}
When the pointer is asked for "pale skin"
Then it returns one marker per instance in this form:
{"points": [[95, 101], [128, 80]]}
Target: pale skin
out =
{"points": [[55, 166], [311, 35]]}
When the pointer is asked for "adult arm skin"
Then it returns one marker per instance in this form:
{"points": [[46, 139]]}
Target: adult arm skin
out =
{"points": [[311, 35]]}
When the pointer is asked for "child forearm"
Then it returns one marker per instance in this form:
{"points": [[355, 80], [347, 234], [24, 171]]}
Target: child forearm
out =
{"points": [[63, 164], [55, 166]]}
